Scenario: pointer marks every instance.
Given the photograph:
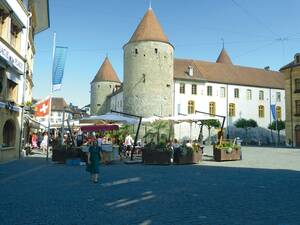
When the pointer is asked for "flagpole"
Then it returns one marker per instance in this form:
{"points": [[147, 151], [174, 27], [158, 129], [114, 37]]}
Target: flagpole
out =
{"points": [[50, 102]]}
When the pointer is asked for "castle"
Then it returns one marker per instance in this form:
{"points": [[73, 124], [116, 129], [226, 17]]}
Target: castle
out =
{"points": [[157, 83]]}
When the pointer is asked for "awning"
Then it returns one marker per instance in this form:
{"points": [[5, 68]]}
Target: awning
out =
{"points": [[95, 128], [110, 117]]}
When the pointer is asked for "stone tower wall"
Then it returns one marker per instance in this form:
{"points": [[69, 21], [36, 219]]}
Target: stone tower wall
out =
{"points": [[148, 78], [99, 92]]}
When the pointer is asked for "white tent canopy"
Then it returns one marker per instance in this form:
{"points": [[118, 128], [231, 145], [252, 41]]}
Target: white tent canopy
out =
{"points": [[111, 117]]}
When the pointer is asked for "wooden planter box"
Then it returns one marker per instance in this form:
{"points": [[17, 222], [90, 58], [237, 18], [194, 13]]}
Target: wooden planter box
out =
{"points": [[190, 158], [223, 155], [156, 157], [61, 154]]}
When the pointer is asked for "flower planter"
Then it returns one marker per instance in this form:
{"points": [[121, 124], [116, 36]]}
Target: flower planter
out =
{"points": [[225, 155], [191, 157], [156, 157], [61, 154]]}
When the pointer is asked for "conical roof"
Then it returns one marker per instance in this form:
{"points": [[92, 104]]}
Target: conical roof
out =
{"points": [[149, 29], [224, 57], [106, 73]]}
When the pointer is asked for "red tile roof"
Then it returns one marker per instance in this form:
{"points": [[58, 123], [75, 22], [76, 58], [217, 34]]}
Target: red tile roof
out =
{"points": [[106, 73]]}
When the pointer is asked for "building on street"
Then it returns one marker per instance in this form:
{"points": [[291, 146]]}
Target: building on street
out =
{"points": [[292, 101]]}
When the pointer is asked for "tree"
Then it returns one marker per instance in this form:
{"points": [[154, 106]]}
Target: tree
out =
{"points": [[280, 126], [246, 124], [210, 124], [157, 130]]}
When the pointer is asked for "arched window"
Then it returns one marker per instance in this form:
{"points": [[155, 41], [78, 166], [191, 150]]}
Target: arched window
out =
{"points": [[191, 107], [9, 133], [278, 112], [212, 108], [231, 109], [261, 111]]}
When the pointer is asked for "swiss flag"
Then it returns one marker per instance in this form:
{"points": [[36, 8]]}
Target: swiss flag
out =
{"points": [[42, 108]]}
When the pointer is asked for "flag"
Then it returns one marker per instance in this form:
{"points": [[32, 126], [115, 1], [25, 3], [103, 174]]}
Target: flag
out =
{"points": [[59, 61], [273, 110], [42, 108]]}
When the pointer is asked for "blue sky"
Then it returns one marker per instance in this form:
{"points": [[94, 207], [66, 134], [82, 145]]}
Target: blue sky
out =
{"points": [[257, 33]]}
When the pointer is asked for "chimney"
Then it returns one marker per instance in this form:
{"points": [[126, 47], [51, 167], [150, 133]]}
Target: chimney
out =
{"points": [[191, 71], [297, 58]]}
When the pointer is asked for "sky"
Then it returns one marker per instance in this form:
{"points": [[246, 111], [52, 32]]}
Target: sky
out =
{"points": [[256, 33]]}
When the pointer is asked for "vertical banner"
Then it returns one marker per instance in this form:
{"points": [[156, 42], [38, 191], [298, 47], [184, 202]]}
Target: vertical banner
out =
{"points": [[273, 110], [60, 57]]}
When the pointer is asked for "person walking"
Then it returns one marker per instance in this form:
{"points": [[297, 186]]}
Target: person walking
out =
{"points": [[93, 160]]}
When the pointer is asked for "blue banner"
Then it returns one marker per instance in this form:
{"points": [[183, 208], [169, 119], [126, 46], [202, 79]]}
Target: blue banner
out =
{"points": [[273, 110], [60, 57]]}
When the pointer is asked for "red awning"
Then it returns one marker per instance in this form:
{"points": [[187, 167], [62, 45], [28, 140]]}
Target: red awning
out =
{"points": [[104, 127]]}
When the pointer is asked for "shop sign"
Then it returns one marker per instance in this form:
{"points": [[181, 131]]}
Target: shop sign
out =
{"points": [[11, 58]]}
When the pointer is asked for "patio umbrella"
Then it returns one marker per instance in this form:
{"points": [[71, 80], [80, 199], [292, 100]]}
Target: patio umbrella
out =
{"points": [[110, 117]]}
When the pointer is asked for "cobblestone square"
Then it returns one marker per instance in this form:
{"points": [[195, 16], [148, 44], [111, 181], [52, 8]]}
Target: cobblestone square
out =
{"points": [[263, 188]]}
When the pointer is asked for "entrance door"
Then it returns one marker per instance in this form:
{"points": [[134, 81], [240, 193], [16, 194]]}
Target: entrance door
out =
{"points": [[297, 135]]}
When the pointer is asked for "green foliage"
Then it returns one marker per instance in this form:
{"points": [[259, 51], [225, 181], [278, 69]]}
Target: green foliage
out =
{"points": [[243, 123], [28, 103], [121, 133], [280, 125], [159, 130], [211, 123]]}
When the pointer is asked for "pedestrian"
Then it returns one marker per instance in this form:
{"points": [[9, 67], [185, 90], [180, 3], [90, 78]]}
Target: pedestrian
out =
{"points": [[93, 160], [44, 143], [128, 144]]}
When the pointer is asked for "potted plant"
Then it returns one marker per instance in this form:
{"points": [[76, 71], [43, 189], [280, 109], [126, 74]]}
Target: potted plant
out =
{"points": [[156, 154], [188, 155], [226, 151], [60, 153]]}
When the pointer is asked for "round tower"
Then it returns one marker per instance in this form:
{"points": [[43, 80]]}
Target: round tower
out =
{"points": [[148, 70], [104, 83]]}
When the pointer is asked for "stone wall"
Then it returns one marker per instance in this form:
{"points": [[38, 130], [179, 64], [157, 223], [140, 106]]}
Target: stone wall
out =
{"points": [[99, 93], [148, 78]]}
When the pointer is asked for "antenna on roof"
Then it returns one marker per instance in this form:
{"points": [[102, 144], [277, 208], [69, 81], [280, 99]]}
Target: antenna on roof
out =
{"points": [[223, 42], [150, 5]]}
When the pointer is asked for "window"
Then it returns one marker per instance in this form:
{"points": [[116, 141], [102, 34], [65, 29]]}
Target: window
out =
{"points": [[222, 92], [9, 133], [236, 93], [212, 108], [278, 112], [261, 95], [297, 107], [182, 88], [14, 37], [12, 91], [209, 90], [261, 111], [194, 89], [249, 94], [156, 50], [231, 109], [191, 107], [136, 51], [59, 114], [278, 97], [297, 85]]}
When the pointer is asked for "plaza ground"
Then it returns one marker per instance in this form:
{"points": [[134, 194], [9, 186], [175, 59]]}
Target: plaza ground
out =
{"points": [[263, 188]]}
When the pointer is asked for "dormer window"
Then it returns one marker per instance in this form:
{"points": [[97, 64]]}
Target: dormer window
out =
{"points": [[190, 71]]}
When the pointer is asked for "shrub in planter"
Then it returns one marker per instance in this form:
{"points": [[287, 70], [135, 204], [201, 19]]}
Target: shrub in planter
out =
{"points": [[188, 155], [227, 151], [156, 154]]}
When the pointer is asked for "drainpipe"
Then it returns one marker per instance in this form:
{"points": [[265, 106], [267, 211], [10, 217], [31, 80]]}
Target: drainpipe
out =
{"points": [[24, 85]]}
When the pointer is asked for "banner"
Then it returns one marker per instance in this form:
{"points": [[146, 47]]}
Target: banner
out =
{"points": [[273, 110], [42, 108], [60, 57]]}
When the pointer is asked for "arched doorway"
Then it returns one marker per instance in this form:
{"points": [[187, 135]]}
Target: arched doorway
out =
{"points": [[297, 135], [9, 133]]}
